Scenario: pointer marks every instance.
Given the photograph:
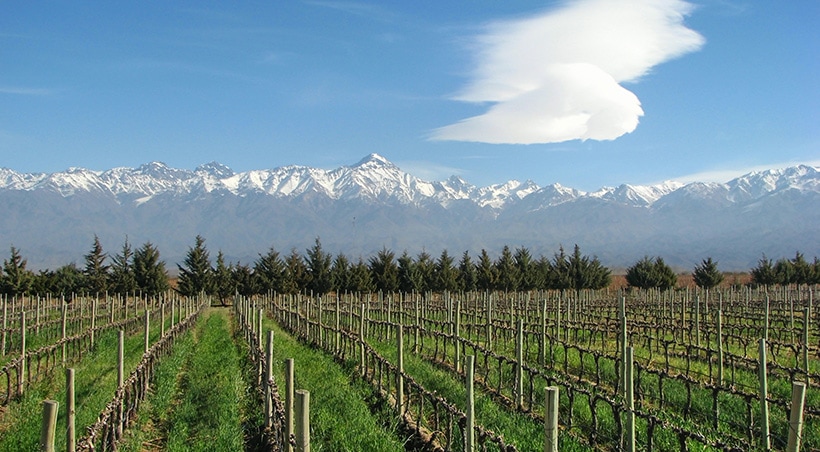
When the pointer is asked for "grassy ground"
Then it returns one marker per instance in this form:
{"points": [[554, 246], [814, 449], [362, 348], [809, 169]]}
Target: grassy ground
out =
{"points": [[344, 415]]}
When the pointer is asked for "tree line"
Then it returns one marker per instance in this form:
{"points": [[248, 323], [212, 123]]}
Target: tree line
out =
{"points": [[142, 271]]}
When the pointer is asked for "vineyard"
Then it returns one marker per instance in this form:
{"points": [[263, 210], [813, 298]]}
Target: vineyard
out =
{"points": [[576, 370]]}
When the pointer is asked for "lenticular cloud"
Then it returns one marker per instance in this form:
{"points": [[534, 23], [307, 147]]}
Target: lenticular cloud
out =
{"points": [[556, 77]]}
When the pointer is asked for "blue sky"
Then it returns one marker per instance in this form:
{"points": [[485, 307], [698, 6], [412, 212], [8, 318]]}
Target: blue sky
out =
{"points": [[583, 93]]}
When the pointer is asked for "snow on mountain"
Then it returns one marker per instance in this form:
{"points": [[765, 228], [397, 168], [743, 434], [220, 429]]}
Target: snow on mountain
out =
{"points": [[376, 179]]}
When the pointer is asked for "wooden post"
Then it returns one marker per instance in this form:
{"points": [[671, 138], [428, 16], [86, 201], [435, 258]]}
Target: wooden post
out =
{"points": [[796, 416], [764, 404], [289, 402], [720, 345], [697, 320], [456, 335], [162, 319], [542, 350], [806, 322], [623, 344], [489, 322], [22, 379], [120, 358], [337, 336], [469, 429], [551, 419], [361, 342], [400, 408], [49, 425], [70, 433], [302, 421], [268, 377], [147, 329], [630, 399], [93, 319], [63, 329], [5, 325], [519, 365]]}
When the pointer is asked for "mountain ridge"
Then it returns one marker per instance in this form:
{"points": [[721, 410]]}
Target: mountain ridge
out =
{"points": [[359, 208]]}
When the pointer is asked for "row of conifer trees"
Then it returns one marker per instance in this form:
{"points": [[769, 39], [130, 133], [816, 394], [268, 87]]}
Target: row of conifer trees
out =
{"points": [[142, 271]]}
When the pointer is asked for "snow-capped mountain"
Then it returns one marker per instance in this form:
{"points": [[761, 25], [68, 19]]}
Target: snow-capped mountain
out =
{"points": [[373, 203]]}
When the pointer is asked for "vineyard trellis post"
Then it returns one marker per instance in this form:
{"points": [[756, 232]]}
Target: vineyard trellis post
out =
{"points": [[361, 342], [806, 323], [49, 425], [542, 342], [22, 378], [457, 335], [764, 404], [93, 319], [63, 329], [5, 325], [70, 432], [519, 365], [400, 371], [551, 419], [469, 430], [796, 416], [302, 420], [268, 376], [629, 359], [623, 344], [147, 329], [289, 402]]}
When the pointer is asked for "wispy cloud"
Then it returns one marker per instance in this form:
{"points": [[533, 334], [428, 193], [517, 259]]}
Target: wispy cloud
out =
{"points": [[429, 171], [557, 76], [372, 11], [24, 91], [725, 175]]}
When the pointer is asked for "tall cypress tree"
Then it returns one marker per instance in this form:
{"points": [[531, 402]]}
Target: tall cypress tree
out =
{"points": [[384, 271], [319, 268], [121, 278], [195, 275], [269, 272], [223, 282], [485, 270], [96, 272], [446, 278], [16, 279], [149, 272], [467, 274]]}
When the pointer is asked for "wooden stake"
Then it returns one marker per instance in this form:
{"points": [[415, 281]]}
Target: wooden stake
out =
{"points": [[796, 416], [70, 434], [302, 421], [49, 425], [469, 429], [551, 419]]}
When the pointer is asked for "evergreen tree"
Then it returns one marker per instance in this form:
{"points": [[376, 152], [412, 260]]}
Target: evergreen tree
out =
{"points": [[426, 269], [340, 274], [507, 273], [223, 281], [585, 273], [361, 280], [16, 279], [296, 277], [485, 272], [64, 281], [467, 274], [446, 276], [384, 271], [527, 277], [409, 278], [121, 278], [543, 268], [195, 276], [764, 274], [149, 272], [803, 271], [319, 268], [96, 272], [243, 280], [707, 275], [269, 272], [560, 271], [647, 273], [784, 271]]}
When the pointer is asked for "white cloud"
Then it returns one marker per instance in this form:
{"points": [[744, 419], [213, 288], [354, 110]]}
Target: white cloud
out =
{"points": [[556, 77], [725, 175]]}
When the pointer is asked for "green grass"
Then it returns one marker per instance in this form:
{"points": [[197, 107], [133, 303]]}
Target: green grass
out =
{"points": [[207, 414], [340, 415]]}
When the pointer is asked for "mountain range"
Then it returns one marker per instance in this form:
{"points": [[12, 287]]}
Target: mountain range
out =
{"points": [[52, 218]]}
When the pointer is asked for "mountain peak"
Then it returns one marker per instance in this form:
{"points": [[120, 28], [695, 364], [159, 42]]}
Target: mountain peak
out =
{"points": [[215, 169], [373, 160]]}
